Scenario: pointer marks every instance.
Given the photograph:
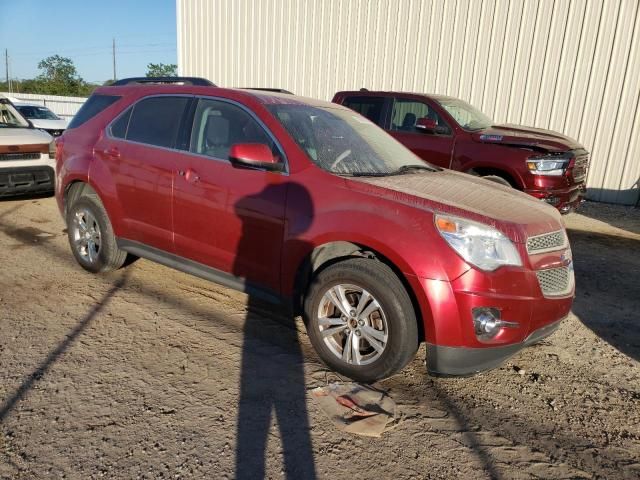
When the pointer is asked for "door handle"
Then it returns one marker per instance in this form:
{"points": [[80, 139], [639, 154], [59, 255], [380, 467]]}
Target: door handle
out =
{"points": [[112, 152], [189, 175]]}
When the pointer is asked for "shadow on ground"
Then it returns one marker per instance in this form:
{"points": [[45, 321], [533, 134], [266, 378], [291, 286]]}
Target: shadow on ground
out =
{"points": [[620, 216], [27, 384], [607, 269]]}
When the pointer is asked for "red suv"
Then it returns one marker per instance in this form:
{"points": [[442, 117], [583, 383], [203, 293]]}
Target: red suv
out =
{"points": [[307, 203], [450, 133]]}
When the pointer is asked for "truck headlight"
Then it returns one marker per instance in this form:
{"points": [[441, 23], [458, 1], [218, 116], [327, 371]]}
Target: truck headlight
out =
{"points": [[550, 164], [479, 244]]}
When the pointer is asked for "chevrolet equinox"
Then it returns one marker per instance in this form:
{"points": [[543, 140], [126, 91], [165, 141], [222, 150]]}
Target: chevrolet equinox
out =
{"points": [[311, 204]]}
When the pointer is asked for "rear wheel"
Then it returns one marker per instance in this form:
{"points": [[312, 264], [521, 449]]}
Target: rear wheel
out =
{"points": [[360, 319], [91, 236]]}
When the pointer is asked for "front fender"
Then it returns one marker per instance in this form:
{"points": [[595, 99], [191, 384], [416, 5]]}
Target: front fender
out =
{"points": [[511, 160], [411, 245]]}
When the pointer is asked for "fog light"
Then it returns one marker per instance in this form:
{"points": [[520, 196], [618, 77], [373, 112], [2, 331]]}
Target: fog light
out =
{"points": [[487, 322], [552, 200]]}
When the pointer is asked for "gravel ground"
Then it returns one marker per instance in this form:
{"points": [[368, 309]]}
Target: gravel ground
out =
{"points": [[138, 374]]}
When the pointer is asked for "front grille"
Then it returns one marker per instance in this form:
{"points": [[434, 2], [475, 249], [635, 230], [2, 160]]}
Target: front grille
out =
{"points": [[580, 167], [546, 242], [556, 282], [7, 157], [15, 181]]}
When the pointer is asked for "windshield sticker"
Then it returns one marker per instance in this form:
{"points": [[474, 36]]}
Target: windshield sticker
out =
{"points": [[491, 138]]}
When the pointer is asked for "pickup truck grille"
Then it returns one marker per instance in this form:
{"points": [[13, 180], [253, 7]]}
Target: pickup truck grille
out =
{"points": [[556, 282], [580, 167], [7, 157], [547, 242]]}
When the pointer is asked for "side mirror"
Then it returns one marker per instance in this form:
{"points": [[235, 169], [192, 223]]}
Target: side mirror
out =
{"points": [[254, 155], [426, 124]]}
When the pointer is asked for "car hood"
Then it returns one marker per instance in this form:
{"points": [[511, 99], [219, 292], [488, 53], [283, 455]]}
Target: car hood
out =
{"points": [[23, 136], [50, 124], [515, 214], [519, 136]]}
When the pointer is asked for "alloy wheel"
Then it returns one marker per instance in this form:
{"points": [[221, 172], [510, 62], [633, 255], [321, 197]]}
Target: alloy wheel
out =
{"points": [[352, 324]]}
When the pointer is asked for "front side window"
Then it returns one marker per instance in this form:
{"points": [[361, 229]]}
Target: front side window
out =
{"points": [[342, 142], [370, 107], [34, 112], [407, 112], [156, 120], [9, 116], [218, 125], [466, 115]]}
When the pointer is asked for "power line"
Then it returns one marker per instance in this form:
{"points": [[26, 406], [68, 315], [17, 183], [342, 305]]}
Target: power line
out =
{"points": [[91, 50]]}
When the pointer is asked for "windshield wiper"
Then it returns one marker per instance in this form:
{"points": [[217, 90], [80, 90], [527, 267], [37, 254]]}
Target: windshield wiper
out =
{"points": [[366, 174], [409, 168]]}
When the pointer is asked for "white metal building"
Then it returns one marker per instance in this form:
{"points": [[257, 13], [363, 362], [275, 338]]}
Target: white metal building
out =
{"points": [[567, 65]]}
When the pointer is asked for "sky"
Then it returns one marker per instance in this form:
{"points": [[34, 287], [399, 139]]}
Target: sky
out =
{"points": [[144, 31]]}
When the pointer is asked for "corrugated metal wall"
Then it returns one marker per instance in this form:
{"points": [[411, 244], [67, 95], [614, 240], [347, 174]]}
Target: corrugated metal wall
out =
{"points": [[567, 65]]}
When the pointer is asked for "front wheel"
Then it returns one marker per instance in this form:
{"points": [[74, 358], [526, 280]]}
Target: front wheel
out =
{"points": [[497, 179], [360, 319]]}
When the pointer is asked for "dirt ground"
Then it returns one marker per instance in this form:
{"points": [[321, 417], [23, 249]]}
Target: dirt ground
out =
{"points": [[138, 374]]}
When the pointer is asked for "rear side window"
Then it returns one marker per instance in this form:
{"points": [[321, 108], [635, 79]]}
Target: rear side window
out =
{"points": [[156, 120], [92, 107], [119, 127], [370, 107]]}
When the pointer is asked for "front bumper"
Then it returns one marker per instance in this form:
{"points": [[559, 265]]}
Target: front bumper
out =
{"points": [[460, 361], [32, 180], [564, 199]]}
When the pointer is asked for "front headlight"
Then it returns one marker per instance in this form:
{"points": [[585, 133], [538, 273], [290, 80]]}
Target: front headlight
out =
{"points": [[553, 165], [479, 244]]}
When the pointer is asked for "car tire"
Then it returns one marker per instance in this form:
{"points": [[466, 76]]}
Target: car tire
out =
{"points": [[497, 179], [386, 337], [91, 236]]}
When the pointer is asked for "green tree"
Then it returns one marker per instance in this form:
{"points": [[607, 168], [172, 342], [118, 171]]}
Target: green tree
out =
{"points": [[59, 76], [162, 70]]}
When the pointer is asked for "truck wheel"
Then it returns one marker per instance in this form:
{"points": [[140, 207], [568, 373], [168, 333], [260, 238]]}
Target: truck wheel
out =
{"points": [[91, 236], [497, 179], [360, 319]]}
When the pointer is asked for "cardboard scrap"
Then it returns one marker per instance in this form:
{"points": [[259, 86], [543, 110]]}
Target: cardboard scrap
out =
{"points": [[356, 408]]}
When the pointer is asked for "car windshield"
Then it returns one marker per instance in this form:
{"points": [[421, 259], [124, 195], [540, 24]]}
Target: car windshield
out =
{"points": [[467, 116], [9, 116], [35, 112], [344, 142]]}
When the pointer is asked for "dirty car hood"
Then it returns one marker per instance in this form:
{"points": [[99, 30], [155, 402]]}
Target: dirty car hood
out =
{"points": [[514, 213], [535, 138]]}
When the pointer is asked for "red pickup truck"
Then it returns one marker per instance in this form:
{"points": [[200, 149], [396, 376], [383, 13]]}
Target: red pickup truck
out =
{"points": [[450, 133]]}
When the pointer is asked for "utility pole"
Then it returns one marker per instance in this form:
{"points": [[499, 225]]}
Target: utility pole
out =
{"points": [[113, 49], [6, 66]]}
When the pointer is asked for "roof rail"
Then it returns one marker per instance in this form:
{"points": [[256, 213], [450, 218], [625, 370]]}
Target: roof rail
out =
{"points": [[275, 90], [196, 81]]}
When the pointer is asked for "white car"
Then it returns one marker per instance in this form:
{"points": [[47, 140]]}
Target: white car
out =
{"points": [[41, 117], [27, 155]]}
